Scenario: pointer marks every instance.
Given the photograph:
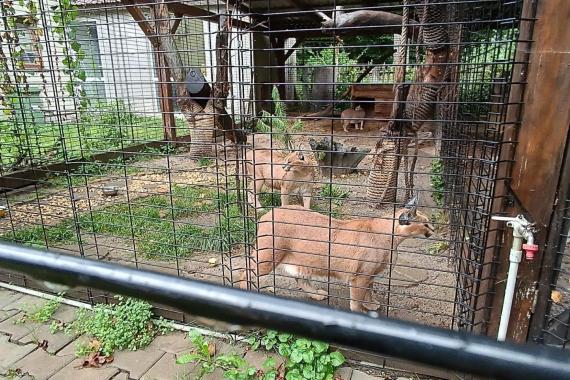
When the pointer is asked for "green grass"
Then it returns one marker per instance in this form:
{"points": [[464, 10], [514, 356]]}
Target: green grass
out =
{"points": [[320, 202], [157, 223], [107, 126], [203, 162], [438, 248], [437, 182], [335, 193]]}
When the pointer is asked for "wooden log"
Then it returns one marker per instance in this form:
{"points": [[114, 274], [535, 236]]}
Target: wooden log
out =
{"points": [[388, 23]]}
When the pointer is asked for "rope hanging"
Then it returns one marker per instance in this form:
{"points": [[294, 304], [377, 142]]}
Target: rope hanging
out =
{"points": [[383, 178]]}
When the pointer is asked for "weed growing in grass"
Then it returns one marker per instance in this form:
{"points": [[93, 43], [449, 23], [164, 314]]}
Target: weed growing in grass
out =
{"points": [[203, 162], [233, 365], [128, 324], [304, 358], [336, 193], [440, 219], [42, 314], [437, 248], [436, 179], [272, 199]]}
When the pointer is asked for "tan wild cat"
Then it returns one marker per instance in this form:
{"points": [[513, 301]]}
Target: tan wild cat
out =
{"points": [[297, 240], [353, 116]]}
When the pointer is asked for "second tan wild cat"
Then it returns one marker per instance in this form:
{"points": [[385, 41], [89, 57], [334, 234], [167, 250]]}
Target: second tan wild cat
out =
{"points": [[289, 173]]}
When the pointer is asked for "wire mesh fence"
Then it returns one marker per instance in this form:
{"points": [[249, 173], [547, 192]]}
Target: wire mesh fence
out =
{"points": [[171, 135], [556, 328]]}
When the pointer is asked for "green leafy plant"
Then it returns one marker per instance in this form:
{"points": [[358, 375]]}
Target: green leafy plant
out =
{"points": [[437, 183], [63, 16], [204, 161], [128, 324], [437, 248], [233, 365], [336, 193], [304, 358], [41, 314], [277, 123]]}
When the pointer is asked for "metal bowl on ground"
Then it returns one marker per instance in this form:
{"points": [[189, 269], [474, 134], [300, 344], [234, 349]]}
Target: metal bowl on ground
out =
{"points": [[110, 191]]}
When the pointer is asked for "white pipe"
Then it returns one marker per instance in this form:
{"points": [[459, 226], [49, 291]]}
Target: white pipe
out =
{"points": [[515, 257], [83, 305]]}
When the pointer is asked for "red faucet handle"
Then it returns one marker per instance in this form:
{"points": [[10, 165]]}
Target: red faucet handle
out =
{"points": [[529, 251]]}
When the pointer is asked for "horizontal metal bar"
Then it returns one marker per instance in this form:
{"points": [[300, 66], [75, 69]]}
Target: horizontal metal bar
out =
{"points": [[405, 340]]}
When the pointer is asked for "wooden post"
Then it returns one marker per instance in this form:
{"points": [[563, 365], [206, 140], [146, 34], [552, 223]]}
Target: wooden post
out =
{"points": [[162, 27], [279, 50], [539, 154]]}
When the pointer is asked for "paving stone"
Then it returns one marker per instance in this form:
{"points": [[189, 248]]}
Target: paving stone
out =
{"points": [[137, 363], [257, 358], [26, 303], [8, 296], [41, 365], [5, 314], [74, 371], [69, 349], [55, 341], [345, 373], [167, 369], [11, 352], [121, 376], [221, 348], [359, 375], [11, 377], [172, 343], [18, 331], [65, 313]]}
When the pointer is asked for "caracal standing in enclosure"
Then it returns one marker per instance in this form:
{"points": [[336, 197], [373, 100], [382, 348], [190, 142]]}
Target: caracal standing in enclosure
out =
{"points": [[353, 116], [297, 239], [290, 173]]}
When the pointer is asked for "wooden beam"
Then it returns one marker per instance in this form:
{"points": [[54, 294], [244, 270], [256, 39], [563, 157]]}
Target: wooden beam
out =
{"points": [[190, 10], [136, 12], [176, 23], [181, 8], [539, 154], [278, 45], [162, 26], [315, 14], [292, 49]]}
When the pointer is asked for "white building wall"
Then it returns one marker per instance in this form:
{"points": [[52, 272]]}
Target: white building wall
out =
{"points": [[127, 61], [240, 74]]}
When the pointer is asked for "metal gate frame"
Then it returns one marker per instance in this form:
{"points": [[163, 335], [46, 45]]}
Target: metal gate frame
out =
{"points": [[535, 175]]}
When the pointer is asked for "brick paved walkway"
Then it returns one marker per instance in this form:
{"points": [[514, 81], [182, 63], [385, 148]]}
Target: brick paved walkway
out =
{"points": [[22, 358]]}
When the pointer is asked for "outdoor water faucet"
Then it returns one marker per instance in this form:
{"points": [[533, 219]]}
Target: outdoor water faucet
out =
{"points": [[522, 229]]}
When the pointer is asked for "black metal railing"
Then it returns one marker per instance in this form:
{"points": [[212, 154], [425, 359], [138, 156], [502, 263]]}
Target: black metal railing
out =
{"points": [[448, 349]]}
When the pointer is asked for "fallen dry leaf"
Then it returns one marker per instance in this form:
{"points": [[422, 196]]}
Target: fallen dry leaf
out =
{"points": [[211, 349], [96, 360], [556, 296], [43, 344]]}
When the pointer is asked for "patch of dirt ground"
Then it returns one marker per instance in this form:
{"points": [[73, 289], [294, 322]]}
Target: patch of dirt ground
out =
{"points": [[419, 287]]}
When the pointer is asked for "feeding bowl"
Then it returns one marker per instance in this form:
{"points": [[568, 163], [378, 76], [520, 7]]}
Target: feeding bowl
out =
{"points": [[110, 191]]}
